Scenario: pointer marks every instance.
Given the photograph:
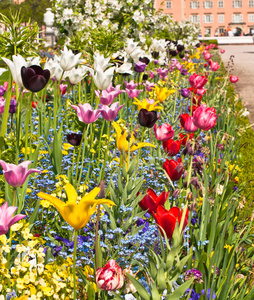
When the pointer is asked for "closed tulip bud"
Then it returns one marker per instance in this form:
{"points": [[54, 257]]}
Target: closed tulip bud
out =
{"points": [[195, 182], [180, 48], [13, 106], [233, 79], [172, 147], [140, 67], [111, 277], [34, 78], [222, 51], [175, 193], [147, 118], [74, 138]]}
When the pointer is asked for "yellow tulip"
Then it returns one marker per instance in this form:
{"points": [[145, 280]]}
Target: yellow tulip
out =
{"points": [[124, 144], [146, 105], [162, 93], [77, 215]]}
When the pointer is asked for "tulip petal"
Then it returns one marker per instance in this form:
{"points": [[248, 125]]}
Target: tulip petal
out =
{"points": [[71, 193], [36, 83], [53, 200], [141, 145], [16, 219], [91, 195]]}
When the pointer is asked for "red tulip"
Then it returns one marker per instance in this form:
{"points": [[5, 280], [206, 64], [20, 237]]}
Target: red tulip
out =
{"points": [[183, 118], [185, 137], [173, 168], [167, 219], [233, 79], [189, 125], [151, 201], [171, 147]]}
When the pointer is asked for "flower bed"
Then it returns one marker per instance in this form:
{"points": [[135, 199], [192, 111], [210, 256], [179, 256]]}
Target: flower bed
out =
{"points": [[125, 176]]}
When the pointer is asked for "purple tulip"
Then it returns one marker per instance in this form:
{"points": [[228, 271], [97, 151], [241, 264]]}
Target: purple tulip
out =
{"points": [[2, 90], [149, 86], [184, 72], [6, 219], [16, 175], [110, 113], [130, 85], [86, 114], [139, 67], [133, 93], [13, 106], [185, 93]]}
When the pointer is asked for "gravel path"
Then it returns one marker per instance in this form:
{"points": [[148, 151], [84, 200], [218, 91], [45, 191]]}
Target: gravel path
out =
{"points": [[244, 69]]}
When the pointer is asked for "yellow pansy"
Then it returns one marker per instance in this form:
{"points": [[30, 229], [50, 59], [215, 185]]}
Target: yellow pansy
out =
{"points": [[77, 215], [162, 93], [146, 105], [124, 144]]}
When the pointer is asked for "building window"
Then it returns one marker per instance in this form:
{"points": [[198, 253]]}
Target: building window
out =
{"points": [[237, 18], [251, 3], [208, 31], [168, 4], [220, 4], [195, 18], [251, 18], [221, 18], [208, 4], [194, 4], [208, 19], [221, 30], [237, 4]]}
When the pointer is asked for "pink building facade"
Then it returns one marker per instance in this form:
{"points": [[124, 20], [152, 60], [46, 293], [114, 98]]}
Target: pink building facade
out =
{"points": [[215, 17]]}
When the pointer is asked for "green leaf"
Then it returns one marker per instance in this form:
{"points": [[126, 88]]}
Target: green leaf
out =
{"points": [[179, 292], [139, 287]]}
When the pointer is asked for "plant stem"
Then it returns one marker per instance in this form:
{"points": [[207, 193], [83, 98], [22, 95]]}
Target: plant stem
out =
{"points": [[74, 264], [28, 117], [96, 238]]}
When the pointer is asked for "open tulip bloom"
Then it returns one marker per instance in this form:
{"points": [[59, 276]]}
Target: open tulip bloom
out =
{"points": [[124, 144], [86, 114], [34, 78], [6, 219], [16, 175], [77, 215], [68, 60]]}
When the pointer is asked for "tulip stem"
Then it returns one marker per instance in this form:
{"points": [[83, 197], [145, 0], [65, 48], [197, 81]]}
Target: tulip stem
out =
{"points": [[28, 117], [106, 153], [79, 152], [74, 264], [96, 238], [83, 152], [18, 121]]}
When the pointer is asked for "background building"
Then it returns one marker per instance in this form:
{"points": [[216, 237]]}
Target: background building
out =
{"points": [[216, 17]]}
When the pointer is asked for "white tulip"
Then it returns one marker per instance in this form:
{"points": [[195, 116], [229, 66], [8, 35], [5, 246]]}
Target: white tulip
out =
{"points": [[68, 60], [76, 75], [103, 79]]}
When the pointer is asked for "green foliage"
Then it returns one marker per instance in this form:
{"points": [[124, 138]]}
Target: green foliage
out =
{"points": [[17, 39]]}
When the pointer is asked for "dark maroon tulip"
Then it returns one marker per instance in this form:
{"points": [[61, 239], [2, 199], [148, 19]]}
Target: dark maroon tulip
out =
{"points": [[180, 48], [13, 106], [74, 138], [147, 118], [144, 60], [34, 78]]}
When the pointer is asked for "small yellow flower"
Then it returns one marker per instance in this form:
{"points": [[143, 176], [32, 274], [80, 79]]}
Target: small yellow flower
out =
{"points": [[16, 226], [45, 171], [67, 146], [92, 150], [64, 152], [146, 105], [162, 93], [228, 247], [2, 200], [45, 203]]}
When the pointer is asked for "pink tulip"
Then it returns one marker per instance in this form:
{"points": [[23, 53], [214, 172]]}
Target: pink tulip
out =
{"points": [[16, 175], [201, 92], [207, 55], [204, 117], [6, 219], [189, 125], [233, 79], [133, 93], [105, 98], [162, 72], [149, 86], [110, 278], [197, 81], [214, 66], [130, 85], [110, 113], [164, 132], [2, 105], [222, 51], [63, 88], [116, 90], [151, 74], [86, 114]]}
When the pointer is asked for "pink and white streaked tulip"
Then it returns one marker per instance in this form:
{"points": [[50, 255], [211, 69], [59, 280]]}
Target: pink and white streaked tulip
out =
{"points": [[133, 93], [197, 81], [110, 278], [16, 175], [207, 55], [2, 105], [233, 79], [164, 132], [86, 114], [6, 219], [189, 126], [214, 66], [110, 113], [204, 117]]}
